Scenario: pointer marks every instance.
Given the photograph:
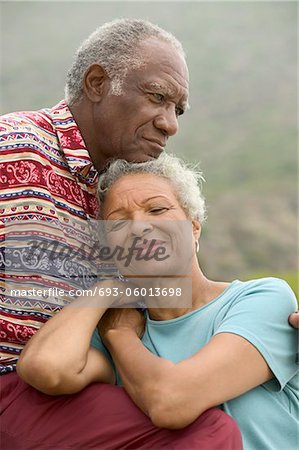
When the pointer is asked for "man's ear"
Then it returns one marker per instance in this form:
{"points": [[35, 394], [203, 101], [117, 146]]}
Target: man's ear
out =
{"points": [[196, 228], [95, 80]]}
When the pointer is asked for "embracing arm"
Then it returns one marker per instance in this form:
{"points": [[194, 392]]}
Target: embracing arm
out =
{"points": [[58, 359], [253, 335], [225, 368]]}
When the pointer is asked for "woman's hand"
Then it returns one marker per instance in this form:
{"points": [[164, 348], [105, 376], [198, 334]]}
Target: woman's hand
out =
{"points": [[120, 319]]}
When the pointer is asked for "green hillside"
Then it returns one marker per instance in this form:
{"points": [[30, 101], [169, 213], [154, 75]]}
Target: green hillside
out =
{"points": [[242, 121]]}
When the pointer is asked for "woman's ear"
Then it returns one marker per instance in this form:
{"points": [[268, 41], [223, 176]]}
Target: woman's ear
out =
{"points": [[196, 228], [94, 81]]}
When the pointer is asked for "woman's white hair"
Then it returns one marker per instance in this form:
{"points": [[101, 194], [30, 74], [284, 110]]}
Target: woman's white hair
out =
{"points": [[113, 46], [186, 180]]}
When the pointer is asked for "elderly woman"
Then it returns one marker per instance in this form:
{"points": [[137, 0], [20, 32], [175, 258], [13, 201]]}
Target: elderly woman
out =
{"points": [[230, 346]]}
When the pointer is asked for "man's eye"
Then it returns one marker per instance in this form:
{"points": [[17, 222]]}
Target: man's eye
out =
{"points": [[179, 111], [158, 97]]}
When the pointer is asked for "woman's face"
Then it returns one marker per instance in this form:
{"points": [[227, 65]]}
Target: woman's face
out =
{"points": [[145, 221]]}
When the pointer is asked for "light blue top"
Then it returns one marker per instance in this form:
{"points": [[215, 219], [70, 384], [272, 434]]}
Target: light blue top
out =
{"points": [[257, 310]]}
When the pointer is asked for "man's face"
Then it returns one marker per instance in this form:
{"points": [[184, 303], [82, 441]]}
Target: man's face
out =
{"points": [[136, 125]]}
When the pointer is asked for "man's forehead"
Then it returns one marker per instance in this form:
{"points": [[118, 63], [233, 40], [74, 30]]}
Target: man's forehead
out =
{"points": [[155, 43], [164, 68], [155, 51]]}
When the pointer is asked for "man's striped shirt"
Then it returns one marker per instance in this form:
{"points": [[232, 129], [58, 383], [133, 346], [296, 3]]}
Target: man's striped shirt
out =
{"points": [[47, 203]]}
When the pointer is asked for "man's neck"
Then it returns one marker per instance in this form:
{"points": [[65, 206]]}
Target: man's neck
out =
{"points": [[82, 114]]}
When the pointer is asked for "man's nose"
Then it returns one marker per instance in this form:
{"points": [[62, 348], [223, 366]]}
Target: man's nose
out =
{"points": [[167, 121]]}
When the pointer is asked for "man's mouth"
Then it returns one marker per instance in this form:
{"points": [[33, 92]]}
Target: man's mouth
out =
{"points": [[157, 145]]}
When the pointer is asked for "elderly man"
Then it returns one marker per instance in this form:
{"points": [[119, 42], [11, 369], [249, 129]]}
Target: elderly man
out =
{"points": [[124, 93]]}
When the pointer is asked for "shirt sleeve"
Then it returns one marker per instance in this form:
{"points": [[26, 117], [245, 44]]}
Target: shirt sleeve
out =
{"points": [[260, 315]]}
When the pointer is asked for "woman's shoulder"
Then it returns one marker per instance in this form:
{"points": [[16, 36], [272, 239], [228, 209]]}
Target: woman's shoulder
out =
{"points": [[274, 292], [267, 283]]}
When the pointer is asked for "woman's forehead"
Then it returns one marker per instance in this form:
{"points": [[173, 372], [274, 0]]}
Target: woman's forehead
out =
{"points": [[138, 186]]}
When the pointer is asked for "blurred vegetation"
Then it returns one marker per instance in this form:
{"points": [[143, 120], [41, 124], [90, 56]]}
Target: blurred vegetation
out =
{"points": [[242, 122]]}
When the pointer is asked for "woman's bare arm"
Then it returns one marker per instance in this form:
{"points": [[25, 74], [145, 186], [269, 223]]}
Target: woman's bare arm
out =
{"points": [[226, 367]]}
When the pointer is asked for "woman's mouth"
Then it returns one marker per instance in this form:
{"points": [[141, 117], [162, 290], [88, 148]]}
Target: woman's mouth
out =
{"points": [[148, 248]]}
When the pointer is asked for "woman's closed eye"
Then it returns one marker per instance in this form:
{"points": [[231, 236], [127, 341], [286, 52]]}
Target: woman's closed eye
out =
{"points": [[158, 210], [116, 225]]}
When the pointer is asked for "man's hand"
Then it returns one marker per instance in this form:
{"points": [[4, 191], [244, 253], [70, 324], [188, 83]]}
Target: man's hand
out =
{"points": [[124, 318], [294, 320]]}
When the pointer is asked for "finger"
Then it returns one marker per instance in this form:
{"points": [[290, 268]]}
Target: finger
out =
{"points": [[294, 320]]}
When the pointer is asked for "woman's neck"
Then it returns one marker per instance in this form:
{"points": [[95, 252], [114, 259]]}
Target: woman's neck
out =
{"points": [[200, 292]]}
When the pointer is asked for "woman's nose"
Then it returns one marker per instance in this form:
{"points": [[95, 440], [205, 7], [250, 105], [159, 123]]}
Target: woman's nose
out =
{"points": [[140, 228]]}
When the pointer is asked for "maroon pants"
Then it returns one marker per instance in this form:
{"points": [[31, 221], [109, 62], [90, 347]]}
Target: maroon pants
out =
{"points": [[100, 417]]}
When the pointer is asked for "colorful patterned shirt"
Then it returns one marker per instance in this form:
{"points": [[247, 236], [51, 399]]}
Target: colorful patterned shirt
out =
{"points": [[48, 193]]}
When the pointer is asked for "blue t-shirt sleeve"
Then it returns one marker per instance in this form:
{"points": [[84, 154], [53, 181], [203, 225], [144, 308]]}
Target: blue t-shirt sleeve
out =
{"points": [[260, 315]]}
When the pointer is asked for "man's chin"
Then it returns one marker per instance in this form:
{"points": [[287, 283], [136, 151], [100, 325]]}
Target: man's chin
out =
{"points": [[141, 158], [144, 155]]}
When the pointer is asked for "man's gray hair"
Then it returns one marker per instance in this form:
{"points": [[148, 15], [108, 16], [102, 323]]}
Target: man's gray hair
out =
{"points": [[113, 46], [185, 179]]}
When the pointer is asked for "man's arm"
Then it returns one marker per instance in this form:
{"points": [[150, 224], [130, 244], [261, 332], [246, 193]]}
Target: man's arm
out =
{"points": [[58, 359], [225, 368]]}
